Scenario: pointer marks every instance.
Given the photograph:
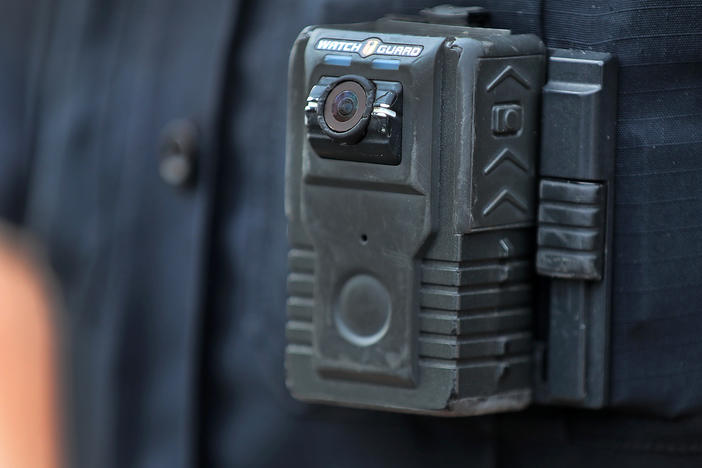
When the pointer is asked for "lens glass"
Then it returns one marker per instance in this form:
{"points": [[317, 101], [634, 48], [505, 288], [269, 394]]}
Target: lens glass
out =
{"points": [[345, 105]]}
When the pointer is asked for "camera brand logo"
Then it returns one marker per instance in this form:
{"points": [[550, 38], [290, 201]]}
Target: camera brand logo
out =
{"points": [[370, 46]]}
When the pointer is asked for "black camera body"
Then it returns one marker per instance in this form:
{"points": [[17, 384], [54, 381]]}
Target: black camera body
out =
{"points": [[411, 193], [412, 230]]}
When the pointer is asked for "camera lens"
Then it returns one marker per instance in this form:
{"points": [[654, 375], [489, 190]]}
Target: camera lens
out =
{"points": [[344, 106]]}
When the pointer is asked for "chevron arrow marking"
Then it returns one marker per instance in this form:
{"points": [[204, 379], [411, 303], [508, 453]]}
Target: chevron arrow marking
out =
{"points": [[505, 196], [506, 73], [505, 155]]}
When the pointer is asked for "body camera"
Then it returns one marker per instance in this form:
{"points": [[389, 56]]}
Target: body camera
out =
{"points": [[411, 165]]}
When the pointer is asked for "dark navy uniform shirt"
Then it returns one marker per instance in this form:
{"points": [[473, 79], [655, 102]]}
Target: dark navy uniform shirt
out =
{"points": [[174, 293]]}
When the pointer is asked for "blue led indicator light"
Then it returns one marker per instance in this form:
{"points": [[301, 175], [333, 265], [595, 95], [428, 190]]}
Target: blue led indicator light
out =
{"points": [[386, 64], [339, 60]]}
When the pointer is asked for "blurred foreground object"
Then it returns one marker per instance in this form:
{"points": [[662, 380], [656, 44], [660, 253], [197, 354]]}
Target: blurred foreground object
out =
{"points": [[28, 416]]}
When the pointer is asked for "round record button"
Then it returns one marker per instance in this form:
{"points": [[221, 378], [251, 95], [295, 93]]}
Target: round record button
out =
{"points": [[363, 310]]}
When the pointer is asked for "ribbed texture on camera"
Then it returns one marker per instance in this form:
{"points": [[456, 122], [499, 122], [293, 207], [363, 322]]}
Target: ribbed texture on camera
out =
{"points": [[476, 315], [571, 229], [300, 306]]}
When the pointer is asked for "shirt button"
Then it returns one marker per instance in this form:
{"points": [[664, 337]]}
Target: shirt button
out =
{"points": [[178, 153]]}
